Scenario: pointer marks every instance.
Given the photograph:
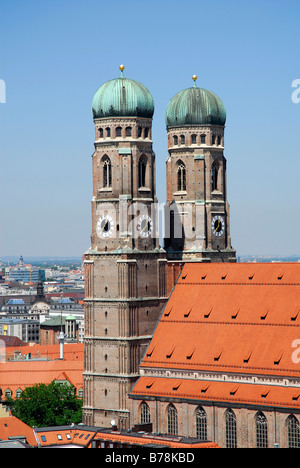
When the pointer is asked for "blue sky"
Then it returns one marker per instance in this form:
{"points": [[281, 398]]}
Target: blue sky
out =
{"points": [[54, 55]]}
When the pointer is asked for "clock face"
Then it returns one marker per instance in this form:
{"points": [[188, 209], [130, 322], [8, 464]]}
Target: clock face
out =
{"points": [[218, 226], [145, 226], [105, 226]]}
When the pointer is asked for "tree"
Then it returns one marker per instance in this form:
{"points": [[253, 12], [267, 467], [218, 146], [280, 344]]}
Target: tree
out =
{"points": [[47, 405]]}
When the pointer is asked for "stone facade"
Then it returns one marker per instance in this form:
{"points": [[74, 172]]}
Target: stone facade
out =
{"points": [[125, 269], [197, 195]]}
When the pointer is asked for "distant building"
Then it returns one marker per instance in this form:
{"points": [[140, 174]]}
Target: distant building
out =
{"points": [[26, 330], [26, 275]]}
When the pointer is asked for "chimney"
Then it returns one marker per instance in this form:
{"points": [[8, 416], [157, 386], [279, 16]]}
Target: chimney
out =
{"points": [[61, 338]]}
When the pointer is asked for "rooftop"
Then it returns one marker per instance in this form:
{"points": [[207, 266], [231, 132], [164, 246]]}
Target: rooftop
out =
{"points": [[228, 323]]}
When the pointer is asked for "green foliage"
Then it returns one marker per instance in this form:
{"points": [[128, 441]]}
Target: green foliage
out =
{"points": [[47, 405]]}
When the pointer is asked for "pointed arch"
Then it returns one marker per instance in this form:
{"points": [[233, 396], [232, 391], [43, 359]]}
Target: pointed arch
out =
{"points": [[230, 429], [201, 423], [261, 430], [214, 176], [142, 169], [172, 419], [181, 176], [293, 431], [145, 416], [107, 171]]}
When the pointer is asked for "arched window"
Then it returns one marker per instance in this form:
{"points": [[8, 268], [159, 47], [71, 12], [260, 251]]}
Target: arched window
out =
{"points": [[181, 177], [261, 430], [172, 420], [214, 177], [100, 132], [128, 131], [142, 171], [203, 139], [175, 138], [107, 131], [230, 429], [145, 413], [182, 139], [194, 139], [201, 424], [293, 428], [107, 172], [118, 131]]}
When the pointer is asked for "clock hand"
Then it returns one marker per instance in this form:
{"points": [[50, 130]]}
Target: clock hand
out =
{"points": [[217, 225], [104, 225]]}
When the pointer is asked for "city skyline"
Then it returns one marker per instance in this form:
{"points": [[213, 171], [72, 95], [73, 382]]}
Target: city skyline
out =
{"points": [[54, 58]]}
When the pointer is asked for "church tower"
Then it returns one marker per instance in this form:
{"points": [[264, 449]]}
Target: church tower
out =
{"points": [[125, 269], [197, 211]]}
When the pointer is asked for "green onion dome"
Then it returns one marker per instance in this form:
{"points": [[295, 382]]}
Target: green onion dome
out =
{"points": [[122, 97], [195, 106]]}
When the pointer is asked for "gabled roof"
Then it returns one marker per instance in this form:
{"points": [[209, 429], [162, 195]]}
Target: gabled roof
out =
{"points": [[228, 320], [18, 375], [12, 428]]}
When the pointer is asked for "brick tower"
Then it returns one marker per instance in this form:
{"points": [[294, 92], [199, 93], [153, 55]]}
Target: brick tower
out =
{"points": [[124, 267], [197, 213]]}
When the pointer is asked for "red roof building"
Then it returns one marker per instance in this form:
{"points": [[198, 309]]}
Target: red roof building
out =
{"points": [[225, 357]]}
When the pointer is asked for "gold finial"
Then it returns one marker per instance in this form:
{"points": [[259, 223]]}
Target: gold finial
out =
{"points": [[122, 67], [194, 79]]}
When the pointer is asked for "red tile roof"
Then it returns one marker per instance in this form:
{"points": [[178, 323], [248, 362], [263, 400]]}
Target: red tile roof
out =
{"points": [[12, 427], [229, 319], [18, 375]]}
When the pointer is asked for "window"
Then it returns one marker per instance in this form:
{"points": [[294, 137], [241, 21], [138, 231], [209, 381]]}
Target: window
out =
{"points": [[293, 428], [128, 131], [146, 132], [59, 437], [230, 428], [44, 438], [219, 140], [181, 177], [201, 424], [145, 413], [172, 420], [119, 131], [142, 171], [107, 132], [194, 139], [175, 138], [261, 431], [213, 140], [203, 139], [182, 139], [101, 132], [214, 178], [107, 173], [139, 132]]}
